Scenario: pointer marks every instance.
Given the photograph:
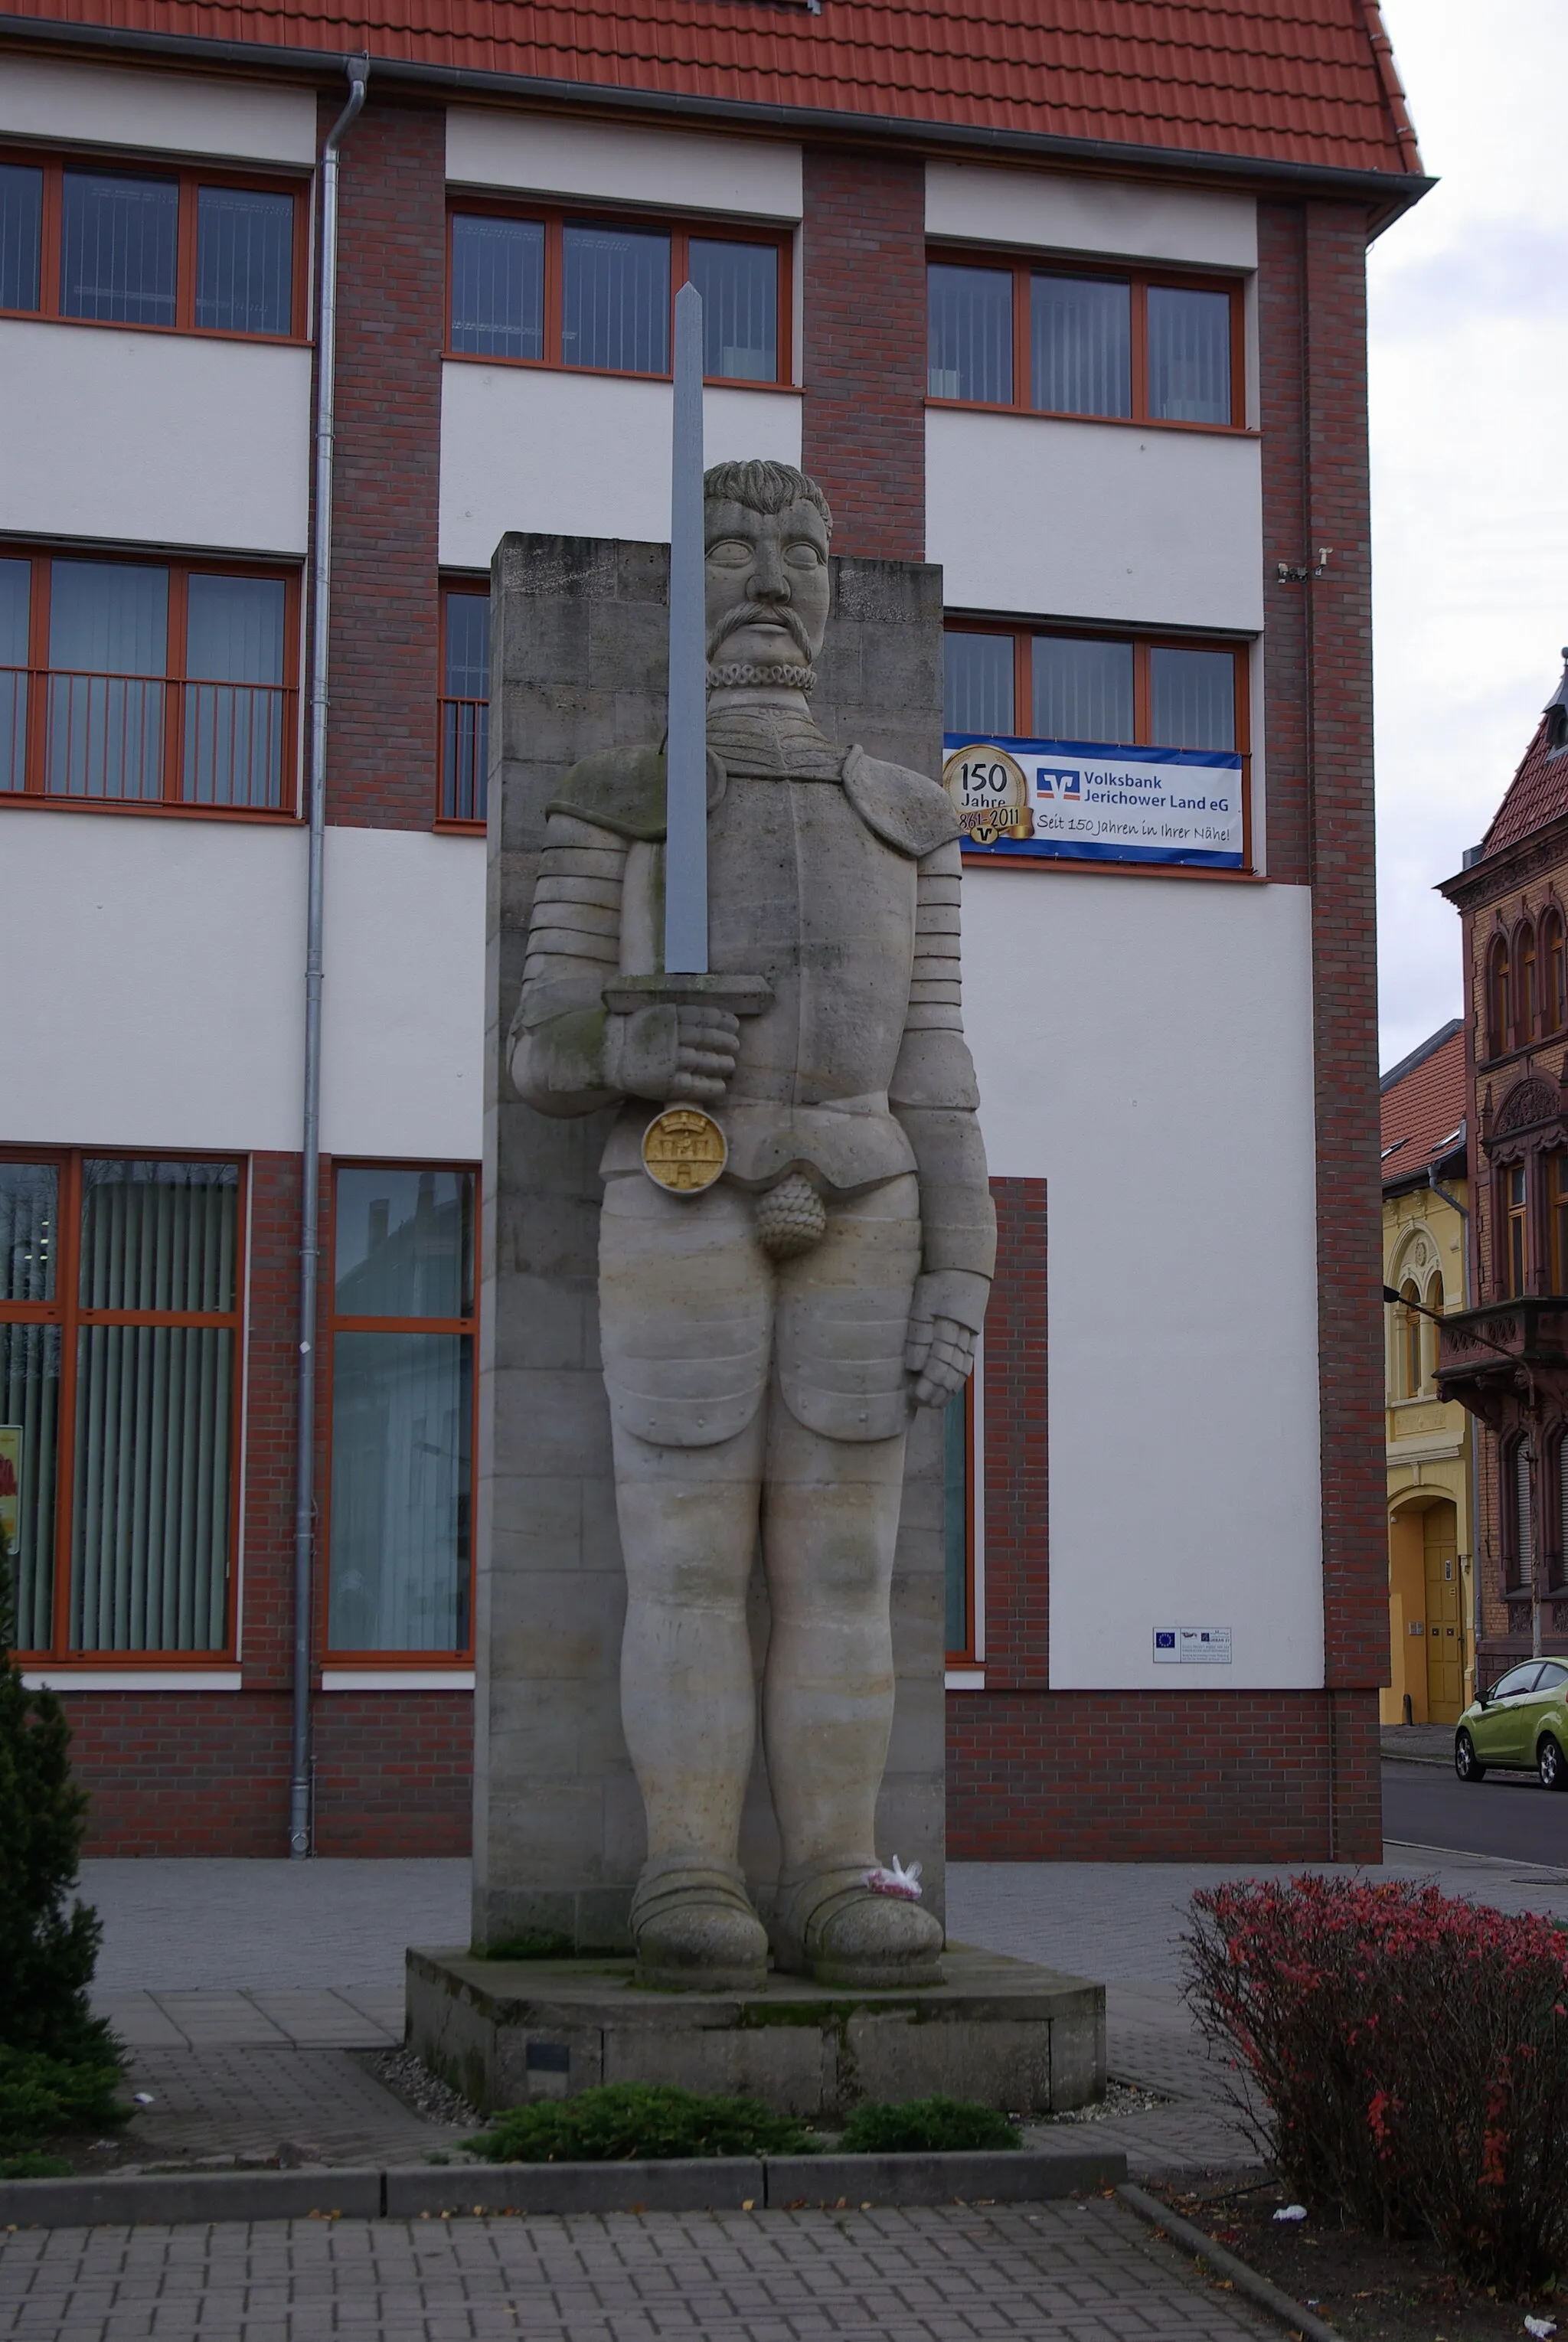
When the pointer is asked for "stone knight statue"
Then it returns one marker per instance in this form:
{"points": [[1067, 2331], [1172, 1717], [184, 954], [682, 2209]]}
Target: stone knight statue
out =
{"points": [[765, 1340]]}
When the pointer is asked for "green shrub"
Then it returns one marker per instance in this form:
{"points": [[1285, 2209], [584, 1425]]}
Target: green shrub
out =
{"points": [[636, 2122], [933, 2126], [40, 2095], [32, 2166], [47, 1951]]}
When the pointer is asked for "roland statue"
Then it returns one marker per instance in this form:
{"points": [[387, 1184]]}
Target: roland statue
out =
{"points": [[796, 1245]]}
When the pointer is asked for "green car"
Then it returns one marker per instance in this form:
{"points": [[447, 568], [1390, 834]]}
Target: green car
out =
{"points": [[1522, 1720]]}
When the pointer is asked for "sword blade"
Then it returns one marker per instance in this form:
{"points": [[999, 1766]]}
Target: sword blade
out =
{"points": [[686, 758]]}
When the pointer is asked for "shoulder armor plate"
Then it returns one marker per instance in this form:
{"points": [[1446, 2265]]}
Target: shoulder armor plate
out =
{"points": [[623, 790], [911, 813]]}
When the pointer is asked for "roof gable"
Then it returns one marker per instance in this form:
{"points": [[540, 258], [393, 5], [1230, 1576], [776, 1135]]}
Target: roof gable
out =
{"points": [[1423, 1105]]}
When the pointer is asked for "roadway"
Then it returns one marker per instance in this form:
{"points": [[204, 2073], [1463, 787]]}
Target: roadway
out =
{"points": [[1508, 1814]]}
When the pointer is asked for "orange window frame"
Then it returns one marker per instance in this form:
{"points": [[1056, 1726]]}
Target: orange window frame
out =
{"points": [[554, 218], [1023, 639], [1513, 1230], [332, 1324], [190, 178], [36, 768], [65, 1311], [473, 589], [1140, 282]]}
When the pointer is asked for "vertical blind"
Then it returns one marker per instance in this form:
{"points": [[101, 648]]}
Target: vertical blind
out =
{"points": [[1083, 690], [244, 260], [969, 331], [234, 713], [956, 1500], [978, 683], [15, 603], [30, 1383], [1189, 355], [402, 1410], [1193, 697], [615, 299], [118, 239], [498, 286], [21, 234], [151, 1494], [739, 285], [1081, 345], [466, 707]]}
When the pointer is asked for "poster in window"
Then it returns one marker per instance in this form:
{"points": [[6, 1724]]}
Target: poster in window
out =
{"points": [[10, 1488], [1077, 801]]}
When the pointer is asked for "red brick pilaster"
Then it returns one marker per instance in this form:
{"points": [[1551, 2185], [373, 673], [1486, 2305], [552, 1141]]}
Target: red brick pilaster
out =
{"points": [[1016, 1419], [1318, 665], [864, 360], [392, 288]]}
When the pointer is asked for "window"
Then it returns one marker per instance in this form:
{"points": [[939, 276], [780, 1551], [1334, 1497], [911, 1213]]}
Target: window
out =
{"points": [[1518, 1535], [1028, 685], [1526, 1002], [1555, 973], [400, 1535], [1557, 1206], [183, 250], [958, 1521], [1517, 1681], [143, 683], [1053, 341], [1415, 1367], [547, 289], [1515, 1228], [120, 1282], [465, 703], [1499, 1014]]}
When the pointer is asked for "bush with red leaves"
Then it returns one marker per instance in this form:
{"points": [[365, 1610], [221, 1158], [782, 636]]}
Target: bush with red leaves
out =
{"points": [[1412, 2052]]}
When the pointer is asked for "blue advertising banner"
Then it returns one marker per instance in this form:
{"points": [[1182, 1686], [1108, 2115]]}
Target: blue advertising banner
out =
{"points": [[1077, 800]]}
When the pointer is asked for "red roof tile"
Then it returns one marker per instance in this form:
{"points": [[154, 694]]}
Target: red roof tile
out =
{"points": [[1309, 81], [1537, 793], [1423, 1107]]}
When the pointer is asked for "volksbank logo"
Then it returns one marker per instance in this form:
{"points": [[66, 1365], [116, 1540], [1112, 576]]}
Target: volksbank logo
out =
{"points": [[1059, 781]]}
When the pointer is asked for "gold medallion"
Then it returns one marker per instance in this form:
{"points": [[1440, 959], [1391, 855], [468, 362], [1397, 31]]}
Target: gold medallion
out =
{"points": [[683, 1150], [990, 793]]}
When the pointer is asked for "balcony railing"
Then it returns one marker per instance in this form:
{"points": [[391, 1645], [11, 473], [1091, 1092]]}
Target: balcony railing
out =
{"points": [[464, 758], [139, 739]]}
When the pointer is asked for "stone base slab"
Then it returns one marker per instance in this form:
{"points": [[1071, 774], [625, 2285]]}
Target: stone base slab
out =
{"points": [[1027, 2039]]}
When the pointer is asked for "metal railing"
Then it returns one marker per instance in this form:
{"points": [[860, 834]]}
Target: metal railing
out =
{"points": [[464, 758], [138, 739]]}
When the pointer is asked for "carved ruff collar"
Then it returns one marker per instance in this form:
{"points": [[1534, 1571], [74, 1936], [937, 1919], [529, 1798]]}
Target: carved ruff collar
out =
{"points": [[772, 743]]}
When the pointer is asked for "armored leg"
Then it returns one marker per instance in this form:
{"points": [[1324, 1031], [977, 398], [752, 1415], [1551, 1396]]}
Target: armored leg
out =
{"points": [[835, 1479], [685, 1308]]}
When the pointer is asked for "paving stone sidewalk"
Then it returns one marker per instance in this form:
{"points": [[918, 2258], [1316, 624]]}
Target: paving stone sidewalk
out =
{"points": [[1087, 2272]]}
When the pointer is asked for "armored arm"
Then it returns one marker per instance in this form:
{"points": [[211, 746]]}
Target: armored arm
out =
{"points": [[936, 1097], [568, 1053]]}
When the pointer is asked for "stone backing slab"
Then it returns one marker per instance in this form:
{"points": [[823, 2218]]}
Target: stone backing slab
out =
{"points": [[508, 2032], [578, 663]]}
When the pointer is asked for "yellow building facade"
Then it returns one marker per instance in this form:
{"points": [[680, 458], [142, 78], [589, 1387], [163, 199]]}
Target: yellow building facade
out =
{"points": [[1430, 1446]]}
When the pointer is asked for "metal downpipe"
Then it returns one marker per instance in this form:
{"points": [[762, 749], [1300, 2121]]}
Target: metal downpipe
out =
{"points": [[299, 1816]]}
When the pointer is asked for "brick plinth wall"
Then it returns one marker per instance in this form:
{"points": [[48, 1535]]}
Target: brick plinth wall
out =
{"points": [[864, 360], [382, 757]]}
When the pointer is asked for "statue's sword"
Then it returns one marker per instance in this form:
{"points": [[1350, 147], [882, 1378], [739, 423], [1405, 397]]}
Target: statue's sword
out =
{"points": [[684, 1149]]}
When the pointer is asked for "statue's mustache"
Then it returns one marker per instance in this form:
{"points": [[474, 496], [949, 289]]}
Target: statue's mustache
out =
{"points": [[766, 613]]}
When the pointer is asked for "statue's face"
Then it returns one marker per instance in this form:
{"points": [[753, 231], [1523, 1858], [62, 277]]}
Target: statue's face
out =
{"points": [[767, 584]]}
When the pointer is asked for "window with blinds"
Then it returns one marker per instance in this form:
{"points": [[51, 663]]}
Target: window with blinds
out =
{"points": [[120, 1287], [401, 1347]]}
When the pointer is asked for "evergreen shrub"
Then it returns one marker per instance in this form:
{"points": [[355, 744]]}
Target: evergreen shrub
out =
{"points": [[1412, 2054], [637, 2122], [933, 2126], [58, 2062]]}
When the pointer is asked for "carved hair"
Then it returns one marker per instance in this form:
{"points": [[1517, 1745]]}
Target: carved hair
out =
{"points": [[763, 487]]}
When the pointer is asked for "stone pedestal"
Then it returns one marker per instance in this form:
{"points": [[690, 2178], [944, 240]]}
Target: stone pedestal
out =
{"points": [[1028, 2039], [578, 663]]}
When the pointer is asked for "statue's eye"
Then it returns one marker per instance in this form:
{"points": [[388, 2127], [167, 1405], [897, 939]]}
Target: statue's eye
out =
{"points": [[802, 555], [732, 552]]}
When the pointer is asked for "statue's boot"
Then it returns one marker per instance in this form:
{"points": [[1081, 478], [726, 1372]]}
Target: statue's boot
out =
{"points": [[695, 1931], [833, 1927]]}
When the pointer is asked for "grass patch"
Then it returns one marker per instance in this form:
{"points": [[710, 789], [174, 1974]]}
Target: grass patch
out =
{"points": [[933, 2126], [40, 2095], [637, 2122], [32, 2166]]}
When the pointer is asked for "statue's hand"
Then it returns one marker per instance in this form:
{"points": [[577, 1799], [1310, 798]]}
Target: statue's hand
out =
{"points": [[705, 1046], [940, 1353]]}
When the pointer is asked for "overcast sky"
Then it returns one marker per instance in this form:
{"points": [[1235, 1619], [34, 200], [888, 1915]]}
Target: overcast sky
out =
{"points": [[1469, 332]]}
